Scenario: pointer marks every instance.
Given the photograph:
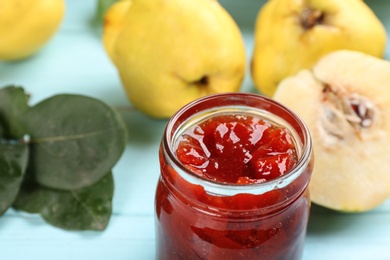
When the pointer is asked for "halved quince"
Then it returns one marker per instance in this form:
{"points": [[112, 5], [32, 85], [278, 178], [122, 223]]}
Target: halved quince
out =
{"points": [[345, 101]]}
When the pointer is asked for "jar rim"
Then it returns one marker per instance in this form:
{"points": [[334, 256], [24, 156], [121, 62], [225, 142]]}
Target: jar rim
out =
{"points": [[231, 189]]}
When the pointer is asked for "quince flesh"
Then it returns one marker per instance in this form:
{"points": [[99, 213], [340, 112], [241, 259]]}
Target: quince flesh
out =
{"points": [[345, 101], [169, 53], [291, 35], [27, 25]]}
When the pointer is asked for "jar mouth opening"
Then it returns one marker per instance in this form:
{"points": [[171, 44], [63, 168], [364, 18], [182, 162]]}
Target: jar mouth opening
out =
{"points": [[251, 104]]}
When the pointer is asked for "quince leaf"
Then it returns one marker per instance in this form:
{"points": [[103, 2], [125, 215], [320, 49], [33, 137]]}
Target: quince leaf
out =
{"points": [[102, 7], [81, 209], [13, 104], [75, 141], [13, 163]]}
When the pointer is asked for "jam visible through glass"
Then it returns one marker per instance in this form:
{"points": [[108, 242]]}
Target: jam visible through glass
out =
{"points": [[237, 149], [232, 149]]}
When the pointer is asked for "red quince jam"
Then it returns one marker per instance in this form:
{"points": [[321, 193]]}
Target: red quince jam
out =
{"points": [[238, 149]]}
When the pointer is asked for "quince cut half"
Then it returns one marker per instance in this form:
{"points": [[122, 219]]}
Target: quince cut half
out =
{"points": [[345, 101]]}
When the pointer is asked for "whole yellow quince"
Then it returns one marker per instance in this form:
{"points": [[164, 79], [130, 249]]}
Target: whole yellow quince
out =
{"points": [[26, 25], [169, 53], [291, 35]]}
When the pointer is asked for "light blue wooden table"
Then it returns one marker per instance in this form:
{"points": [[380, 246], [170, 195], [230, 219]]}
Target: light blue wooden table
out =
{"points": [[74, 62]]}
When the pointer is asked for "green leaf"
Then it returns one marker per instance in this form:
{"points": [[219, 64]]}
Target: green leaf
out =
{"points": [[13, 163], [75, 141], [82, 209], [102, 7], [2, 129], [13, 104]]}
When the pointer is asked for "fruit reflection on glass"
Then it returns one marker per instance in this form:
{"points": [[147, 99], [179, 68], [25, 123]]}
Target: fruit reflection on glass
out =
{"points": [[291, 35], [234, 176], [169, 53], [345, 101]]}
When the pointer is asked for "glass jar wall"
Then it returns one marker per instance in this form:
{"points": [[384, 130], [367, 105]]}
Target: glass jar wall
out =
{"points": [[205, 216]]}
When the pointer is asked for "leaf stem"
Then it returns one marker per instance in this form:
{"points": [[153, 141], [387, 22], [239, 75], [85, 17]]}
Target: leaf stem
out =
{"points": [[125, 108], [14, 141], [70, 137]]}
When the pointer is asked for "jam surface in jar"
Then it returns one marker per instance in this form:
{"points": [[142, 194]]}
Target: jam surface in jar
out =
{"points": [[261, 166], [237, 148]]}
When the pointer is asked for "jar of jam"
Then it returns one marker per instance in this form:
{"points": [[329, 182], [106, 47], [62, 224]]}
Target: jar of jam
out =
{"points": [[235, 169]]}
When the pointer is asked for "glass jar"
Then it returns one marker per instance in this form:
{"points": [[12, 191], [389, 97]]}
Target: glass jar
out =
{"points": [[199, 218]]}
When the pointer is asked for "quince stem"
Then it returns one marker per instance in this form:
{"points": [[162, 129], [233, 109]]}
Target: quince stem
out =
{"points": [[311, 18]]}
